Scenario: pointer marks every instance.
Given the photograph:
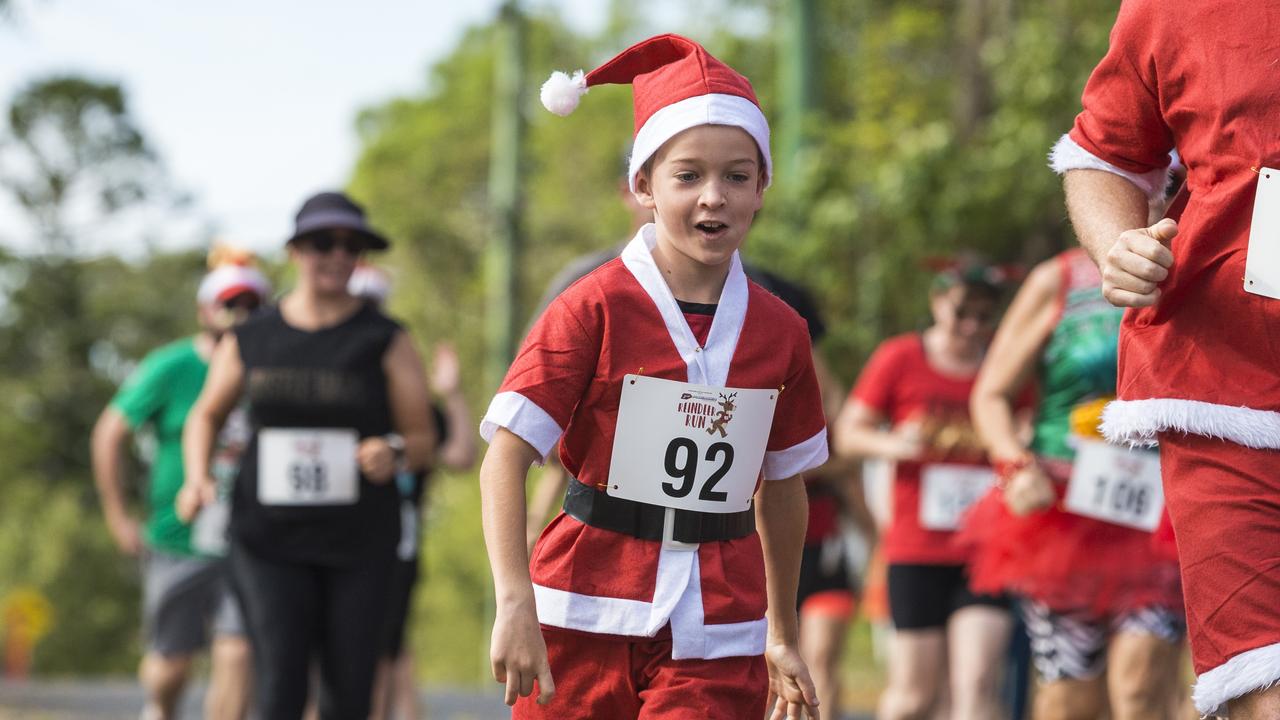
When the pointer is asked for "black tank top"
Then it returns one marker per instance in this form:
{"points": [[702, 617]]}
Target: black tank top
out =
{"points": [[327, 378]]}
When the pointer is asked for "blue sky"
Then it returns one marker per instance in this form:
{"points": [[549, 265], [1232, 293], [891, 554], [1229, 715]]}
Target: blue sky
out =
{"points": [[250, 104]]}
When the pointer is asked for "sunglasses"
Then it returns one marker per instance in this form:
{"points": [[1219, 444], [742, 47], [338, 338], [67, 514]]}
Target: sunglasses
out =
{"points": [[324, 243]]}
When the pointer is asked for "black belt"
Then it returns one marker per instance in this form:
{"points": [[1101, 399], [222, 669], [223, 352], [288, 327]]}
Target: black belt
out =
{"points": [[642, 520]]}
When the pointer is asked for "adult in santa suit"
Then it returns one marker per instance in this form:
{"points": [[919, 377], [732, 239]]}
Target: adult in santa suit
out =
{"points": [[1199, 346], [648, 609]]}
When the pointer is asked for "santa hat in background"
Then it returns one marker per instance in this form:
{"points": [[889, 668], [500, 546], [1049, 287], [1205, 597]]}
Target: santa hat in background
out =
{"points": [[232, 273], [676, 85], [370, 282]]}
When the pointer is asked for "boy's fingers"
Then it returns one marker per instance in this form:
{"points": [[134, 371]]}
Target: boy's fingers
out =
{"points": [[808, 690], [546, 686], [526, 684], [513, 687]]}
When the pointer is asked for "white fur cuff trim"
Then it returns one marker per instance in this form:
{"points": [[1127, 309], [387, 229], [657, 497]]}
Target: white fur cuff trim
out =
{"points": [[1068, 155], [782, 464], [1256, 669], [1136, 422], [523, 417]]}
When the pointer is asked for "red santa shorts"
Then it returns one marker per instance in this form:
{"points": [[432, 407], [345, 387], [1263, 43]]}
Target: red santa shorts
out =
{"points": [[1224, 500], [619, 678]]}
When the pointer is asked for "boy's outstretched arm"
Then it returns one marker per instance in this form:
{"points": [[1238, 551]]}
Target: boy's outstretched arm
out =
{"points": [[517, 651], [782, 513]]}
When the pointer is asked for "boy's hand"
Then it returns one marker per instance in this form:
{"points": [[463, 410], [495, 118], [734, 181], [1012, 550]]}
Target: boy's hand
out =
{"points": [[790, 683], [519, 654], [1134, 265]]}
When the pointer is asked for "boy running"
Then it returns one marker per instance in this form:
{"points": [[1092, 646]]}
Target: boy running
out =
{"points": [[685, 403]]}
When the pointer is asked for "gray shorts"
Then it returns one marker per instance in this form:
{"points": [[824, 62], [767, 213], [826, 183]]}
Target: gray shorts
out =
{"points": [[185, 601]]}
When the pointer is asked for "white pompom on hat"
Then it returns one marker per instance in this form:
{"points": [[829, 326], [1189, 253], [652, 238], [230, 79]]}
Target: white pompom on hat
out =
{"points": [[676, 85]]}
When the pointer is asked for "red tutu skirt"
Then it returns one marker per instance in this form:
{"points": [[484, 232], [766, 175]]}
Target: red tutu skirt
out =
{"points": [[1067, 561]]}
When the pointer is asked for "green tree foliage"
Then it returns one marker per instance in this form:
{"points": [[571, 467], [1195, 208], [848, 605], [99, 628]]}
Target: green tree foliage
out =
{"points": [[70, 328]]}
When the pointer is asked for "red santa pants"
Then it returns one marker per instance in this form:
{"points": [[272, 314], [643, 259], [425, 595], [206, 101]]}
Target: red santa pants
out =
{"points": [[605, 676], [1224, 500]]}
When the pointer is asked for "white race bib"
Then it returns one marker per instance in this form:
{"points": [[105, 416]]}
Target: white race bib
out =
{"points": [[1262, 263], [307, 466], [692, 447], [947, 492], [1116, 484]]}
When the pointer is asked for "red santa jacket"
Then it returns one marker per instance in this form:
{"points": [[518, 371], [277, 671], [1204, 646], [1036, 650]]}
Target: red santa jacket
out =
{"points": [[1203, 78], [566, 383]]}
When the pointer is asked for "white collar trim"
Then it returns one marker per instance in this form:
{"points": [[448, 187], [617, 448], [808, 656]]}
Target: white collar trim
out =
{"points": [[709, 365]]}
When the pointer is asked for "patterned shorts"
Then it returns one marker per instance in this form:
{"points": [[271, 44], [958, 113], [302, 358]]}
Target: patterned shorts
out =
{"points": [[1073, 645]]}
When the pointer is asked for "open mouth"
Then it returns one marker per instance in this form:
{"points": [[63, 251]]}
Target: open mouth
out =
{"points": [[711, 227]]}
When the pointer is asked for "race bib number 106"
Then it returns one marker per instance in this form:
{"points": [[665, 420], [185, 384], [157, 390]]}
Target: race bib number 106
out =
{"points": [[1116, 484], [307, 466], [692, 447]]}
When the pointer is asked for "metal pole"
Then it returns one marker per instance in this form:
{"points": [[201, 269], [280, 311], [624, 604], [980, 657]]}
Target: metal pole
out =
{"points": [[503, 254]]}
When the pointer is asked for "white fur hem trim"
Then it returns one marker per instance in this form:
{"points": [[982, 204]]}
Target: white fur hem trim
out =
{"points": [[1256, 669], [782, 464], [1136, 422], [712, 109], [677, 601], [523, 417], [1067, 154]]}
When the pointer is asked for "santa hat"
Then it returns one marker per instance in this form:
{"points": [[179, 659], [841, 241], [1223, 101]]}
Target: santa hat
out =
{"points": [[232, 274], [369, 282], [676, 85]]}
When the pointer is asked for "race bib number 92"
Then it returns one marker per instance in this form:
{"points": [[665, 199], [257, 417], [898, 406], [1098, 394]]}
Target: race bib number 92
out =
{"points": [[692, 447]]}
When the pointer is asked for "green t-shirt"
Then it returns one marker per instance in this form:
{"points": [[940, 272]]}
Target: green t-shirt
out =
{"points": [[160, 393]]}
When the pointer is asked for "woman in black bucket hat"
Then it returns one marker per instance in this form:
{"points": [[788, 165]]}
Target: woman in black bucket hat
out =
{"points": [[337, 398]]}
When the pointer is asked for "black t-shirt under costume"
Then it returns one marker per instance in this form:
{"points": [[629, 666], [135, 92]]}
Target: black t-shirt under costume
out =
{"points": [[327, 378]]}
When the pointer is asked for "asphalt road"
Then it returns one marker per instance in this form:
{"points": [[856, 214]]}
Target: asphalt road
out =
{"points": [[122, 699]]}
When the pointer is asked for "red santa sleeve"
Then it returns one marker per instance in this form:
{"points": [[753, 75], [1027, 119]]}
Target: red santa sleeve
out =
{"points": [[1121, 128], [798, 440], [548, 377]]}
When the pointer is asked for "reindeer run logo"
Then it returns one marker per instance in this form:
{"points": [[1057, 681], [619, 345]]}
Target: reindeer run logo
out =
{"points": [[704, 411]]}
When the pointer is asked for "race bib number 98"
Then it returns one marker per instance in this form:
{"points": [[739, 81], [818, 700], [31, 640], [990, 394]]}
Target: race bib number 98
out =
{"points": [[692, 447], [307, 466], [1116, 484]]}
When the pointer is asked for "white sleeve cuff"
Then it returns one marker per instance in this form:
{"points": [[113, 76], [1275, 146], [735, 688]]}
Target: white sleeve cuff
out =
{"points": [[525, 418], [782, 464], [1067, 154]]}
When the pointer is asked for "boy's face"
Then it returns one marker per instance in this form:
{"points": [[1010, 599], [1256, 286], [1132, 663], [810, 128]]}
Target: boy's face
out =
{"points": [[705, 188]]}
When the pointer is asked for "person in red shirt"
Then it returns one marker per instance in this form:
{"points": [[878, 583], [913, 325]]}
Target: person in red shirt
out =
{"points": [[1198, 343], [911, 406], [686, 408]]}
